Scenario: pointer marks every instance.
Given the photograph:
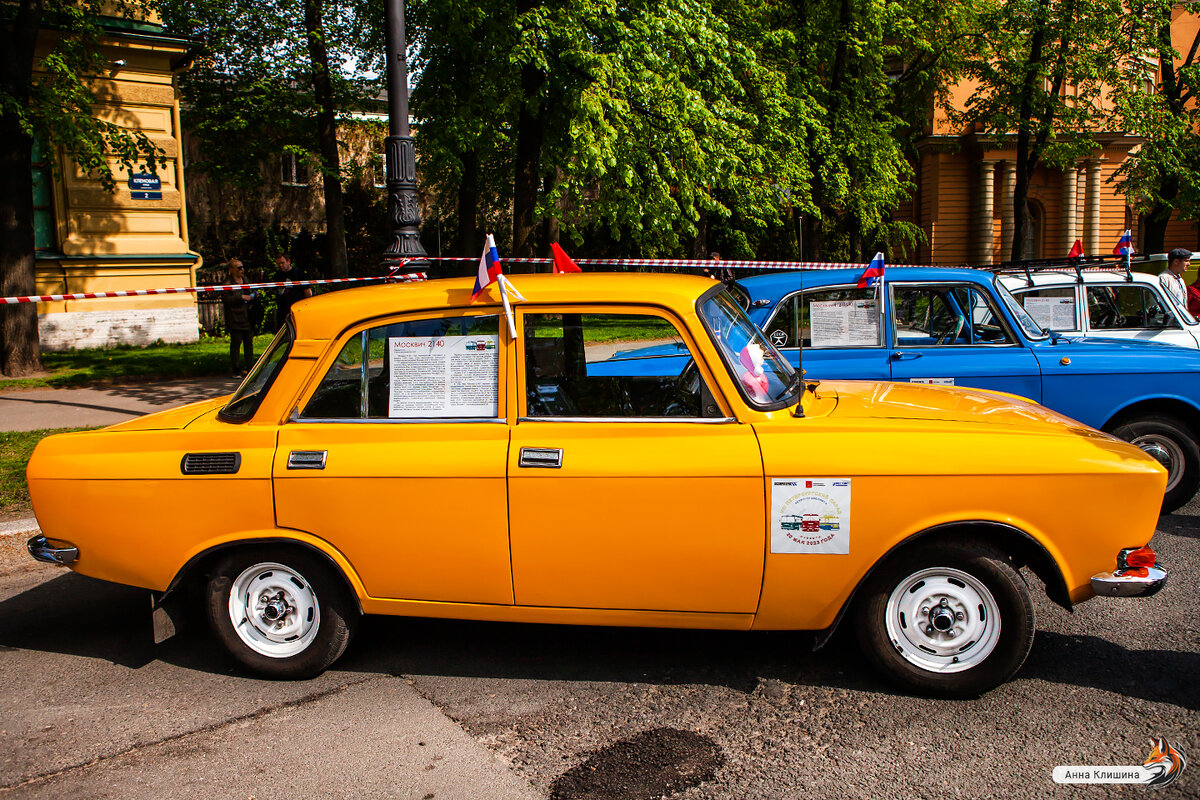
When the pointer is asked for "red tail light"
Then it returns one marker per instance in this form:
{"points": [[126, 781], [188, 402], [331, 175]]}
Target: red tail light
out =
{"points": [[1138, 557]]}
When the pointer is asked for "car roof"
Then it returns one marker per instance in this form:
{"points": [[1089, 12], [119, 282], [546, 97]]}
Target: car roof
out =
{"points": [[327, 315], [778, 284]]}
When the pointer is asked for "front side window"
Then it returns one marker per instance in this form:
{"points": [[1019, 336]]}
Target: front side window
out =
{"points": [[442, 368], [250, 394], [1052, 308], [1127, 306], [946, 316], [611, 365], [764, 377]]}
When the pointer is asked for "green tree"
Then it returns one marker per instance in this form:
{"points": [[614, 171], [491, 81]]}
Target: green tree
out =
{"points": [[1043, 69], [1160, 177], [271, 81], [49, 100]]}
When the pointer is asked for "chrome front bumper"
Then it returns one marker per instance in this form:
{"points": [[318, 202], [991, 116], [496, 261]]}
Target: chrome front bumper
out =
{"points": [[53, 551], [1130, 582]]}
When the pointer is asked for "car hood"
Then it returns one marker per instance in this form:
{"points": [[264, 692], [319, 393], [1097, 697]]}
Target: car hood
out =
{"points": [[913, 401], [171, 419]]}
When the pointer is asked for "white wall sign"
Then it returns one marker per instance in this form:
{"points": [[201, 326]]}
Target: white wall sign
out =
{"points": [[844, 323], [444, 376], [810, 515], [1055, 313]]}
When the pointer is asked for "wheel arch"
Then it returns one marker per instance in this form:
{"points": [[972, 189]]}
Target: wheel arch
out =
{"points": [[1178, 409], [202, 562], [1022, 548]]}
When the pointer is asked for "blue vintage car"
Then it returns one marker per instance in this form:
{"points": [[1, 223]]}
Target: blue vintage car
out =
{"points": [[963, 327]]}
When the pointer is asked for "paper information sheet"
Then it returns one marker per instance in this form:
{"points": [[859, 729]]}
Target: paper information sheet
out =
{"points": [[444, 376], [810, 515], [1055, 313], [844, 323]]}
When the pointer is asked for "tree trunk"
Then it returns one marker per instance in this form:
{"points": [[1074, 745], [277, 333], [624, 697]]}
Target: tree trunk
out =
{"points": [[20, 353], [529, 156], [469, 241], [1025, 164], [1154, 223], [335, 215]]}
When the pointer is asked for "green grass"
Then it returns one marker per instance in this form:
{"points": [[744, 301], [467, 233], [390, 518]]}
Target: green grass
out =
{"points": [[209, 356], [15, 449]]}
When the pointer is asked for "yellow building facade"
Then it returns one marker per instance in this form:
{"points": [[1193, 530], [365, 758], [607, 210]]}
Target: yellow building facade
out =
{"points": [[90, 239], [965, 182]]}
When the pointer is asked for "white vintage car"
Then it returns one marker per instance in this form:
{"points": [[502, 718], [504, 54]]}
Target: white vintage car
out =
{"points": [[1111, 303]]}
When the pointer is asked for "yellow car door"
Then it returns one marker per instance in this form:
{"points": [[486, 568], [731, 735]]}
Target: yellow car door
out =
{"points": [[397, 456], [630, 485]]}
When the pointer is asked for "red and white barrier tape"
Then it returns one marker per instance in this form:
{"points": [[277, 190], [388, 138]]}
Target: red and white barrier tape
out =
{"points": [[52, 298], [697, 263]]}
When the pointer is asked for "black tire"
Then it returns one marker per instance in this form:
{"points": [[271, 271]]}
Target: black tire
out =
{"points": [[315, 615], [1002, 637], [1166, 438]]}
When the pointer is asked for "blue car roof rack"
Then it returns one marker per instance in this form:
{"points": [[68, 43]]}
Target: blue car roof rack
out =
{"points": [[1076, 265]]}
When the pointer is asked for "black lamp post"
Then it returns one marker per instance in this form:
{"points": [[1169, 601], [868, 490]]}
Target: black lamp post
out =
{"points": [[400, 154]]}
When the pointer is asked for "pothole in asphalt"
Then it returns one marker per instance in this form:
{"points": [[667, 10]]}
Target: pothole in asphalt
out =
{"points": [[653, 764]]}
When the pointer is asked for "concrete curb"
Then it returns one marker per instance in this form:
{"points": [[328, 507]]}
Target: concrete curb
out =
{"points": [[13, 536]]}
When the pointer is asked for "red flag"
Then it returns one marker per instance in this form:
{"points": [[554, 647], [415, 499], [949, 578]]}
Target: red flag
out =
{"points": [[562, 261], [1076, 250]]}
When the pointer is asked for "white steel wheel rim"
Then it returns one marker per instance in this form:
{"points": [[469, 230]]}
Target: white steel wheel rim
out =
{"points": [[943, 620], [274, 610]]}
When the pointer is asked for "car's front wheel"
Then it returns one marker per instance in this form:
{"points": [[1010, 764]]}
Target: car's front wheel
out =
{"points": [[954, 619], [282, 613], [1173, 445]]}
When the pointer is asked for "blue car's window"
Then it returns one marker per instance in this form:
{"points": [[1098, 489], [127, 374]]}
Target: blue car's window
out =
{"points": [[946, 316], [250, 394], [1127, 306], [1027, 323], [611, 365], [764, 377]]}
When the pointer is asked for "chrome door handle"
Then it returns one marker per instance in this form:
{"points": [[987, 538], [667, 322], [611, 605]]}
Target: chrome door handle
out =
{"points": [[542, 457], [307, 459], [900, 355]]}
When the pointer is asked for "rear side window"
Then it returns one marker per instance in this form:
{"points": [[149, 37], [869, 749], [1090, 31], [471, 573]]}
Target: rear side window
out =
{"points": [[1053, 309], [424, 369], [1126, 307]]}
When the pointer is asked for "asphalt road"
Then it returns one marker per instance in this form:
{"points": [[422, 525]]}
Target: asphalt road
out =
{"points": [[426, 709]]}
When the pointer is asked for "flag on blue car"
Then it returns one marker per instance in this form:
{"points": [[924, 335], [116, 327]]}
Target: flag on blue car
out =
{"points": [[873, 274]]}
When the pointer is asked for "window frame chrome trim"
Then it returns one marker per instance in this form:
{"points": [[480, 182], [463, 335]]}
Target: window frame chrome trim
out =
{"points": [[689, 420], [295, 418]]}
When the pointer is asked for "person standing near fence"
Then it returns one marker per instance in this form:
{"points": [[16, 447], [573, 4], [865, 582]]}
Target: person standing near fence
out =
{"points": [[289, 295], [236, 303]]}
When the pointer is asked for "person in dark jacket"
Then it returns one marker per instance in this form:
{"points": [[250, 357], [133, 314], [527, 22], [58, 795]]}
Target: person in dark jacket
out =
{"points": [[236, 303], [288, 295]]}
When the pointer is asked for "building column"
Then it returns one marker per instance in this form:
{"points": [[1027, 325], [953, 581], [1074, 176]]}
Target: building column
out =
{"points": [[1091, 207], [1070, 205], [985, 225], [1007, 190]]}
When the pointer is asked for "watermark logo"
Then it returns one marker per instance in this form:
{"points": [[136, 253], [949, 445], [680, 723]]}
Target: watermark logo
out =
{"points": [[1161, 768]]}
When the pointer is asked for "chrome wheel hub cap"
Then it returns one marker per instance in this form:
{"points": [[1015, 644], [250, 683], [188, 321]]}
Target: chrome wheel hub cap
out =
{"points": [[274, 610], [942, 620], [1165, 451]]}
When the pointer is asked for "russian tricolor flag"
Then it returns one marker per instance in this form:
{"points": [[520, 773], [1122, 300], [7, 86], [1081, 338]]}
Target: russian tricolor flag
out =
{"points": [[873, 274], [1125, 246], [489, 267]]}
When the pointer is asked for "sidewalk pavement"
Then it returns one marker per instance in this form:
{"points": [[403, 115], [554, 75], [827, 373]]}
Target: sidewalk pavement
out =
{"points": [[39, 409]]}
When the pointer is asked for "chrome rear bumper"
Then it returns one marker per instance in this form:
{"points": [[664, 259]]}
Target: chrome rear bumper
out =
{"points": [[53, 551], [1130, 582]]}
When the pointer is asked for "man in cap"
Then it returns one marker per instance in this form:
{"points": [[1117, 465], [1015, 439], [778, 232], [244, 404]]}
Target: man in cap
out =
{"points": [[1171, 278]]}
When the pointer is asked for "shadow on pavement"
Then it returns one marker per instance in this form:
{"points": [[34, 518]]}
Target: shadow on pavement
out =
{"points": [[175, 393], [1180, 525], [80, 616]]}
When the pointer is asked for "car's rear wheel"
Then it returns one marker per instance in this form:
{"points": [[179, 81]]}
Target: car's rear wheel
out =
{"points": [[1172, 444], [954, 620], [281, 613]]}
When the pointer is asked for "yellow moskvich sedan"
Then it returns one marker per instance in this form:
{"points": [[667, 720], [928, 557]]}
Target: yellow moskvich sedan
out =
{"points": [[637, 455]]}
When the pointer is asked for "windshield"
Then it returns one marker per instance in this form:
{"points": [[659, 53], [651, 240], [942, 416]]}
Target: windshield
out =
{"points": [[1031, 328], [246, 399], [765, 378]]}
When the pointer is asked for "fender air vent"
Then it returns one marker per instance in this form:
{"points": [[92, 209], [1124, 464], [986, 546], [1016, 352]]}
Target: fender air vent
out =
{"points": [[211, 463]]}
